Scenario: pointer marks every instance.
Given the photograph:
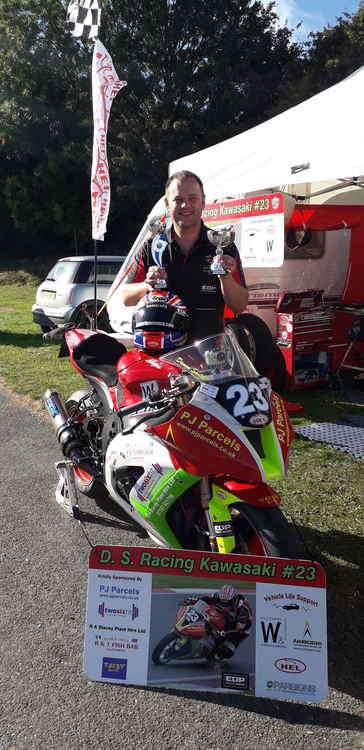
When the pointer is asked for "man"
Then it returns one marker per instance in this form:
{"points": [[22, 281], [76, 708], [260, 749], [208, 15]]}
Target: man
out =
{"points": [[238, 621], [187, 261]]}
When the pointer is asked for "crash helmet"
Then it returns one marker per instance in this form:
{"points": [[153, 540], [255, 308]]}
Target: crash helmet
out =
{"points": [[226, 593], [160, 322]]}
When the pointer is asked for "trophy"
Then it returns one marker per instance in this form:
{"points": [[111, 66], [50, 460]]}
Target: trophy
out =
{"points": [[159, 243], [220, 238]]}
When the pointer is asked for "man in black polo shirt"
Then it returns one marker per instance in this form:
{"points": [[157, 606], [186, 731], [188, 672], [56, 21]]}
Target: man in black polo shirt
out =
{"points": [[186, 263]]}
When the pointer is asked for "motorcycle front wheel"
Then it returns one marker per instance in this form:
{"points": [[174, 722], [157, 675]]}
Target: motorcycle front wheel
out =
{"points": [[264, 531], [170, 648]]}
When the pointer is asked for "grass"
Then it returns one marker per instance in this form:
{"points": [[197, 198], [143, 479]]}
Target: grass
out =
{"points": [[322, 493], [27, 365]]}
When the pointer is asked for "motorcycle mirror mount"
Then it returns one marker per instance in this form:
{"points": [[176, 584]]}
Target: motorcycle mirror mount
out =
{"points": [[181, 383]]}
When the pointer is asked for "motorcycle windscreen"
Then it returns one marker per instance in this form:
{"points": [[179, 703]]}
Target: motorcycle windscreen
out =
{"points": [[213, 360], [226, 374]]}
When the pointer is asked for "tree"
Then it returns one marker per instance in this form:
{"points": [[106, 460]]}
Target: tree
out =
{"points": [[45, 123], [330, 56], [197, 73]]}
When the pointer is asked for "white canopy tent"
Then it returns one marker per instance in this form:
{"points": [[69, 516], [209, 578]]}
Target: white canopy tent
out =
{"points": [[320, 140]]}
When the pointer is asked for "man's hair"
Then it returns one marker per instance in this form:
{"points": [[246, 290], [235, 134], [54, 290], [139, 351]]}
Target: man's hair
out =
{"points": [[184, 174]]}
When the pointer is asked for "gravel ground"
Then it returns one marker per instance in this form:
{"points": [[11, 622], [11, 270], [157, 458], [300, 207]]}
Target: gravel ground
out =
{"points": [[47, 701]]}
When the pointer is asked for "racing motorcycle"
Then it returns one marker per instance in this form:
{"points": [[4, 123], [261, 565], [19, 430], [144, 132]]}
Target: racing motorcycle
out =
{"points": [[185, 443], [197, 624]]}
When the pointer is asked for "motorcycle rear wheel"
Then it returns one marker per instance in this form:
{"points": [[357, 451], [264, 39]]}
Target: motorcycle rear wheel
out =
{"points": [[265, 532], [165, 650]]}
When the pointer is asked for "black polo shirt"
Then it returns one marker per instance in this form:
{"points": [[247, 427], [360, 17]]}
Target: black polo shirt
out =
{"points": [[190, 277]]}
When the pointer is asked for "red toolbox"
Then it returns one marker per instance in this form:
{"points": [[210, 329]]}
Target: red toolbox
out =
{"points": [[304, 335]]}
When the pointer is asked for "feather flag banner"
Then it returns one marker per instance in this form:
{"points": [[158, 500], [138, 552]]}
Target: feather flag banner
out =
{"points": [[105, 86], [83, 18]]}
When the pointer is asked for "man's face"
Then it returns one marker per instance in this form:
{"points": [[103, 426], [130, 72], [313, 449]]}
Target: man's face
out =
{"points": [[185, 202]]}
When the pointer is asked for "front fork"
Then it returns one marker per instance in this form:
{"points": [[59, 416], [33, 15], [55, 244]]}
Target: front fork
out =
{"points": [[218, 519], [205, 493]]}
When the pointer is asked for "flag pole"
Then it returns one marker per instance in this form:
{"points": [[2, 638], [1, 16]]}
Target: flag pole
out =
{"points": [[94, 317]]}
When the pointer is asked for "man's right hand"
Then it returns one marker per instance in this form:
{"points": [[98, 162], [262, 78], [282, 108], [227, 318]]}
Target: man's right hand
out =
{"points": [[155, 274]]}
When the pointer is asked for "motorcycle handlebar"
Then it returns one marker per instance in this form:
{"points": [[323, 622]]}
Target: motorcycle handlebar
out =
{"points": [[133, 408]]}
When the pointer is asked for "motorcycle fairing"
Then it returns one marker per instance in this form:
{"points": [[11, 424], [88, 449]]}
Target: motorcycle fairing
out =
{"points": [[139, 373], [163, 495], [192, 623], [260, 495], [205, 439], [283, 426], [159, 485]]}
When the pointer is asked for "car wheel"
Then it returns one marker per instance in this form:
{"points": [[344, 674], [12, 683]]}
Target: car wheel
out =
{"points": [[83, 320]]}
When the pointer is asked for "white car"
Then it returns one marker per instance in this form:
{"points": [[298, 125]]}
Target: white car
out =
{"points": [[67, 293]]}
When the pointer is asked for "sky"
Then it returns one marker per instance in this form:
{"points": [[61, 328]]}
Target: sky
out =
{"points": [[313, 14]]}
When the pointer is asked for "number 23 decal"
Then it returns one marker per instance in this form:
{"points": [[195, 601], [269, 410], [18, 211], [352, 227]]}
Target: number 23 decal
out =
{"points": [[248, 399]]}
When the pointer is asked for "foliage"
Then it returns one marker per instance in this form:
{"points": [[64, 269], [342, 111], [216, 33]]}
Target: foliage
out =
{"points": [[330, 56], [44, 121], [197, 73]]}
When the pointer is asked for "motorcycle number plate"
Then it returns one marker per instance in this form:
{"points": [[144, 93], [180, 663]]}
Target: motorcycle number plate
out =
{"points": [[192, 616], [247, 401]]}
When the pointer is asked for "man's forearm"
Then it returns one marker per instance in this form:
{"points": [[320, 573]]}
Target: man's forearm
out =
{"points": [[131, 293], [235, 295]]}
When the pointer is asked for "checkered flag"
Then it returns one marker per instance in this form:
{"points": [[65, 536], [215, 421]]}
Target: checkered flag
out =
{"points": [[83, 18]]}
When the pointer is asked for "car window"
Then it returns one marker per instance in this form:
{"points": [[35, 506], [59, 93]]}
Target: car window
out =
{"points": [[64, 270], [106, 272]]}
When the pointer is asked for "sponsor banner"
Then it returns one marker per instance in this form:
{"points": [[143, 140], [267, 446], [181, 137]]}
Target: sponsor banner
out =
{"points": [[117, 626], [291, 646], [151, 612], [258, 223]]}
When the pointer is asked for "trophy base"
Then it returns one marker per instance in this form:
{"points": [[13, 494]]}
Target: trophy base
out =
{"points": [[217, 269]]}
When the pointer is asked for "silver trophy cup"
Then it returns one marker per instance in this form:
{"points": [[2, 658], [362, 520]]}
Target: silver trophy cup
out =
{"points": [[220, 238], [159, 245]]}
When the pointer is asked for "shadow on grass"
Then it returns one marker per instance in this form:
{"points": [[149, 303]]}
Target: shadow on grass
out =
{"points": [[22, 340], [323, 547], [327, 404]]}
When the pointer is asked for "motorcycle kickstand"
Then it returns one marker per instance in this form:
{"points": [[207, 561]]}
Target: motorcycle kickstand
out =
{"points": [[205, 493], [66, 490]]}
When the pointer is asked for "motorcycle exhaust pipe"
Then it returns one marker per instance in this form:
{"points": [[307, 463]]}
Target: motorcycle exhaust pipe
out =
{"points": [[67, 436]]}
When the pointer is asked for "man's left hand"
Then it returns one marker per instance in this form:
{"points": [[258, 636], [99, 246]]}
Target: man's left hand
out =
{"points": [[227, 261]]}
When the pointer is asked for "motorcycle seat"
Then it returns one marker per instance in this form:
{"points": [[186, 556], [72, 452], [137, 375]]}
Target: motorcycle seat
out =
{"points": [[98, 355]]}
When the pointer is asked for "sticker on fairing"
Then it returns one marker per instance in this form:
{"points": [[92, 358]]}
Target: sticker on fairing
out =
{"points": [[149, 387], [259, 420], [245, 400], [223, 528], [209, 390]]}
